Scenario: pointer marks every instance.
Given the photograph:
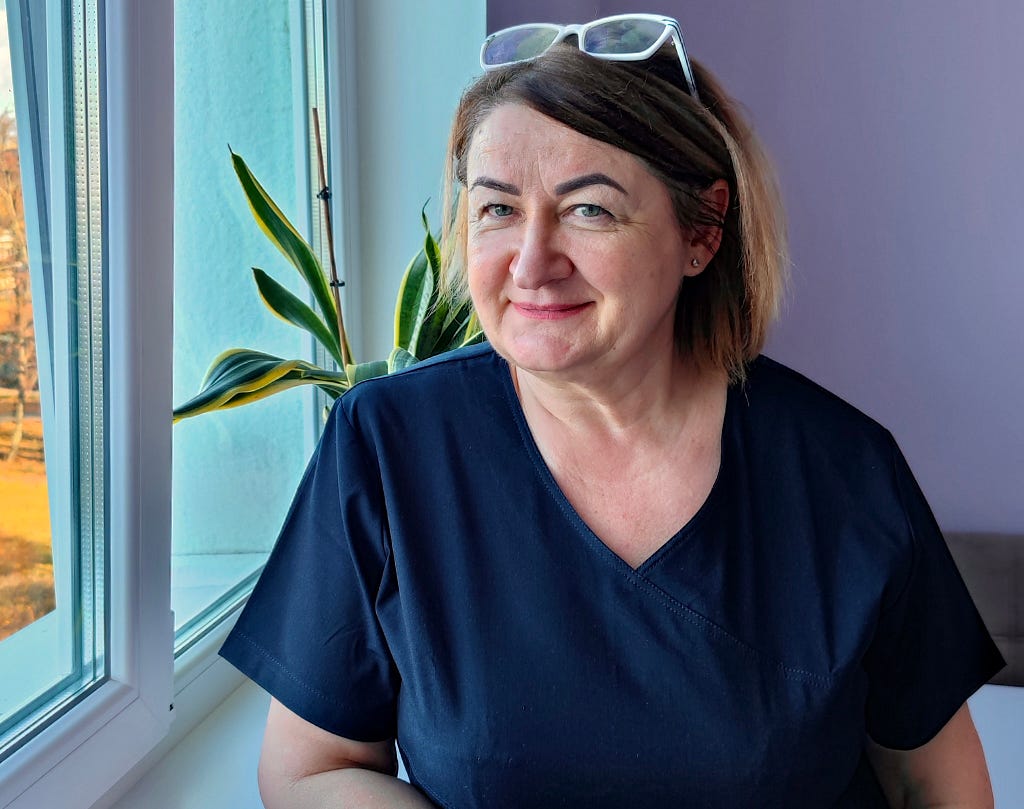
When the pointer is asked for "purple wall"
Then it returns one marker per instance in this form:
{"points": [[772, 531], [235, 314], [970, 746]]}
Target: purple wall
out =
{"points": [[897, 132]]}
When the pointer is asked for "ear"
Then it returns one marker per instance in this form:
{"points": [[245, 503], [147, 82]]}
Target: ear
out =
{"points": [[706, 240]]}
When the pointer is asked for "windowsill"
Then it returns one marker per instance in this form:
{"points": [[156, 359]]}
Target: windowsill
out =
{"points": [[201, 579], [215, 764], [204, 696]]}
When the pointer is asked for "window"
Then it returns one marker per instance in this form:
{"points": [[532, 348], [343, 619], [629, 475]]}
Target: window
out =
{"points": [[235, 471], [98, 196], [88, 678], [89, 693], [52, 304]]}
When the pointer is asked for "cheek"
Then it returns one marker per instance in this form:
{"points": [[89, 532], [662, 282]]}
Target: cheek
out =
{"points": [[486, 269]]}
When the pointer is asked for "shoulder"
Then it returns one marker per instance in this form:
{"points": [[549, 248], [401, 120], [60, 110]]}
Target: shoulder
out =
{"points": [[832, 477], [786, 402], [797, 435], [450, 385]]}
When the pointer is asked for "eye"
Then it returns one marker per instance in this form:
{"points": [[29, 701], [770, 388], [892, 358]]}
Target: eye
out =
{"points": [[590, 211], [497, 210]]}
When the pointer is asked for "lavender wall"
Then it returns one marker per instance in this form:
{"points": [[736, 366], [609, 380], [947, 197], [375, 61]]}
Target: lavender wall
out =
{"points": [[896, 129]]}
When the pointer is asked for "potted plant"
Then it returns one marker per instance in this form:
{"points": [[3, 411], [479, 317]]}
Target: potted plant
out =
{"points": [[426, 322]]}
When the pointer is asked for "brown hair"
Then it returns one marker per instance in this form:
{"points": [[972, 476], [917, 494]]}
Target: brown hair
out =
{"points": [[723, 313]]}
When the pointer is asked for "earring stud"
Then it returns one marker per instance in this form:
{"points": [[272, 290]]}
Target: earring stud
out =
{"points": [[694, 262]]}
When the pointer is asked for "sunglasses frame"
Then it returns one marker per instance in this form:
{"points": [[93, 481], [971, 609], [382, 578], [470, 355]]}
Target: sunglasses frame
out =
{"points": [[671, 31]]}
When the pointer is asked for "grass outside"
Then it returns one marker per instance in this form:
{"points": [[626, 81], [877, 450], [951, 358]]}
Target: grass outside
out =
{"points": [[26, 559]]}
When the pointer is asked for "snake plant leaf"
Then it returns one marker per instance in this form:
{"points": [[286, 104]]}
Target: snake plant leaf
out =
{"points": [[236, 370], [473, 333], [241, 375], [413, 303], [235, 362], [292, 380], [435, 313], [291, 309], [287, 239], [420, 317], [431, 340], [399, 359], [428, 342], [430, 248], [365, 370], [455, 324]]}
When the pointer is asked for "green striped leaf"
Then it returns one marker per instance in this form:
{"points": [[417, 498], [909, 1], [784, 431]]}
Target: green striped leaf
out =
{"points": [[413, 303], [241, 375], [399, 359], [430, 248], [434, 314], [473, 333], [456, 322], [365, 370], [292, 310], [287, 239]]}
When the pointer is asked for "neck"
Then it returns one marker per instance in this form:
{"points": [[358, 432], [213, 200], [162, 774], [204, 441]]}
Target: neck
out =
{"points": [[644, 398]]}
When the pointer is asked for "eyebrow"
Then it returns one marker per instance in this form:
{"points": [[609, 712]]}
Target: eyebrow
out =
{"points": [[597, 178], [575, 184], [497, 185]]}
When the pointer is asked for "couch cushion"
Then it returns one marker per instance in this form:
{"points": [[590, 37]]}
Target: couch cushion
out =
{"points": [[993, 568]]}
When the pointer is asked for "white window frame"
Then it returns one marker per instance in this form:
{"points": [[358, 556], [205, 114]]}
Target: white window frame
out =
{"points": [[75, 760]]}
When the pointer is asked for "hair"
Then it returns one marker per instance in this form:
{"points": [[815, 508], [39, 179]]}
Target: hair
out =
{"points": [[723, 313]]}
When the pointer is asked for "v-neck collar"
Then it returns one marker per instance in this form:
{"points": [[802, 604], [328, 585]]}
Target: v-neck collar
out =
{"points": [[590, 538]]}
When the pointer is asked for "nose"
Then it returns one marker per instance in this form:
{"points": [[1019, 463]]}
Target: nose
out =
{"points": [[540, 258]]}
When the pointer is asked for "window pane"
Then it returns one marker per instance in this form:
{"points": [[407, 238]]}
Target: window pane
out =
{"points": [[53, 542], [26, 557], [238, 80]]}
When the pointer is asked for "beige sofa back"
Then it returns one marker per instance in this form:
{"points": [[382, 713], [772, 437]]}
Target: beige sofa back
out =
{"points": [[993, 567]]}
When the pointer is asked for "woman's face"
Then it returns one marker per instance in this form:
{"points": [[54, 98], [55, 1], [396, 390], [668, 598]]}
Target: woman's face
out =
{"points": [[574, 254]]}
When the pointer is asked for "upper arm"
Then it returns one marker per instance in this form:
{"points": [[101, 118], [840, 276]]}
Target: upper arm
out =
{"points": [[948, 771], [294, 749]]}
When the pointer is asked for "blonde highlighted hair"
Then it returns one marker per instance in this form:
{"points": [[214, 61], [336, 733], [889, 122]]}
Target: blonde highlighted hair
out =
{"points": [[722, 314]]}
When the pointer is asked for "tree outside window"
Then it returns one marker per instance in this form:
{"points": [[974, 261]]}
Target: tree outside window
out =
{"points": [[26, 566]]}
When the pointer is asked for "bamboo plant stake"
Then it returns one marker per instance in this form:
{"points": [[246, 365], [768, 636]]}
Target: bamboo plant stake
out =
{"points": [[324, 196]]}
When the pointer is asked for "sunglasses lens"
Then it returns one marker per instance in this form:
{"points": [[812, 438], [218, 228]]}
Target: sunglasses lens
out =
{"points": [[516, 45], [622, 36]]}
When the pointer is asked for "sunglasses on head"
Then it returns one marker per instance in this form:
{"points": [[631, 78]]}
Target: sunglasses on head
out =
{"points": [[624, 37]]}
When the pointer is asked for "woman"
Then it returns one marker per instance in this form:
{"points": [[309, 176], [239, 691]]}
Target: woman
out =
{"points": [[614, 558]]}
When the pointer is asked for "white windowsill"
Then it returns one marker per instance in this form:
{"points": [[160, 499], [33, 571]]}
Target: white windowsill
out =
{"points": [[203, 685], [201, 579], [215, 765]]}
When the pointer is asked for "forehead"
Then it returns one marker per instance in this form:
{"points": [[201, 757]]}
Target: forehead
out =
{"points": [[515, 137]]}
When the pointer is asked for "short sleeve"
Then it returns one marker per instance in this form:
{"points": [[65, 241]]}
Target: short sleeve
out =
{"points": [[931, 650], [309, 633]]}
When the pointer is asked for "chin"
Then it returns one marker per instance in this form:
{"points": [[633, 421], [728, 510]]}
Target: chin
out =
{"points": [[542, 362], [541, 353]]}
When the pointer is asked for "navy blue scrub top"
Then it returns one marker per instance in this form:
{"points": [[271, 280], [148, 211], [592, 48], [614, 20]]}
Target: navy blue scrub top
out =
{"points": [[432, 583]]}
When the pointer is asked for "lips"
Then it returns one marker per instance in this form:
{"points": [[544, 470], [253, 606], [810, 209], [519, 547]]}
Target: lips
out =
{"points": [[551, 311]]}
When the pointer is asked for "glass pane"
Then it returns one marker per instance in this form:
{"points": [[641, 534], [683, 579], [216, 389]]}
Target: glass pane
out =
{"points": [[238, 81], [26, 555], [52, 370]]}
